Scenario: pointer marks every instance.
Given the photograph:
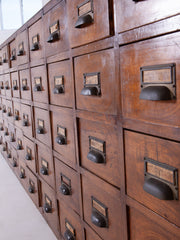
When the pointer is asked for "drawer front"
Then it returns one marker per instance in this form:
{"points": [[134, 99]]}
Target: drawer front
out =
{"points": [[36, 41], [9, 112], [32, 187], [56, 30], [91, 235], [20, 144], [6, 130], [153, 164], [26, 120], [142, 227], [63, 134], [23, 174], [17, 114], [149, 94], [7, 85], [49, 207], [88, 21], [132, 14], [42, 126], [39, 84], [25, 84], [12, 135], [15, 85], [67, 185], [99, 150], [4, 108], [70, 223], [14, 161], [29, 151], [2, 85], [45, 162], [1, 62], [13, 54], [60, 84], [95, 82], [5, 58], [9, 153], [22, 50], [100, 201]]}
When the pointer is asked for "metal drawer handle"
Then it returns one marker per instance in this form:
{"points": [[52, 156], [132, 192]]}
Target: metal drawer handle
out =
{"points": [[44, 170], [31, 189], [64, 190], [61, 140], [84, 21], [6, 87], [15, 88], [98, 220], [58, 90], [28, 157], [20, 53], [16, 117], [37, 88], [14, 164], [12, 58], [25, 122], [156, 93], [95, 157], [24, 88], [47, 208], [35, 47], [40, 130], [90, 91], [22, 175], [53, 37], [12, 139], [9, 155], [68, 235]]}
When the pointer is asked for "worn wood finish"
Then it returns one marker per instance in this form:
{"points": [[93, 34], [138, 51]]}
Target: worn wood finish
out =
{"points": [[30, 150], [24, 76], [15, 84], [26, 120]]}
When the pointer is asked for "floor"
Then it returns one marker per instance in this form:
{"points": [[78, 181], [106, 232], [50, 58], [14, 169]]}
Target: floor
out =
{"points": [[19, 218]]}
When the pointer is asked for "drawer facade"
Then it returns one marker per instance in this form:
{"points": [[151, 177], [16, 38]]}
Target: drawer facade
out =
{"points": [[42, 125], [26, 120], [13, 53], [63, 135], [98, 144], [25, 84], [91, 235], [7, 85], [9, 112], [17, 114], [95, 82], [2, 85], [39, 84], [22, 49], [12, 135], [23, 174], [88, 21], [5, 57], [152, 168], [29, 154], [20, 144], [15, 85], [14, 161], [32, 187], [60, 84], [67, 185]]}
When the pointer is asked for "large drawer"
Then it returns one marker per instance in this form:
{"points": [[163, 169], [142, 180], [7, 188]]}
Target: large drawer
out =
{"points": [[88, 21], [25, 84], [152, 168], [150, 72], [95, 82], [99, 150]]}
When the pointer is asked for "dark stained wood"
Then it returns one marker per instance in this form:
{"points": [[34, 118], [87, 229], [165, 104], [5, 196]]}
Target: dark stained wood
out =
{"points": [[25, 94], [32, 181], [29, 146], [19, 136], [26, 114]]}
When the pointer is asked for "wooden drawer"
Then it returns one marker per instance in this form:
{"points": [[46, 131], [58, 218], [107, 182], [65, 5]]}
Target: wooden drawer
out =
{"points": [[100, 201], [70, 223], [88, 21], [32, 187], [49, 207], [22, 50], [63, 134], [12, 135], [9, 112], [132, 14], [13, 53], [6, 130], [14, 161], [56, 30], [30, 156], [4, 108], [142, 227], [36, 41], [46, 166], [20, 144], [2, 85], [23, 174], [26, 116], [39, 84], [15, 85], [60, 84], [7, 85], [152, 166], [5, 57], [9, 155], [99, 150], [25, 84], [67, 185], [95, 82], [42, 126], [91, 235], [4, 149], [1, 62], [146, 92], [17, 114]]}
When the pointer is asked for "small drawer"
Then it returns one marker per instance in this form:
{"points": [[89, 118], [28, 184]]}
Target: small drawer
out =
{"points": [[36, 41], [26, 120], [6, 130], [7, 85], [13, 54], [60, 84], [20, 144], [17, 114], [135, 13], [88, 21], [14, 161], [9, 111], [32, 187], [95, 82], [70, 223], [152, 168], [142, 227], [49, 207], [15, 85], [151, 92], [99, 150], [30, 157], [100, 201], [45, 163], [12, 135], [39, 84], [4, 149], [9, 155], [91, 235], [5, 57], [22, 48], [23, 174], [1, 62], [4, 108], [2, 85], [25, 84], [42, 126], [2, 127], [67, 185], [63, 134], [56, 30]]}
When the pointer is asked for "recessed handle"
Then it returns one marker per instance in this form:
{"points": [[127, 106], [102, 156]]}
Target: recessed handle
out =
{"points": [[12, 139], [4, 148], [158, 189], [156, 93], [58, 90], [95, 157], [98, 220], [47, 208], [20, 53], [14, 164], [16, 117], [64, 189], [9, 155], [40, 130], [24, 88], [6, 133], [25, 123], [28, 157], [90, 91], [44, 170], [6, 87], [35, 47], [2, 87], [9, 114], [68, 235], [15, 88], [1, 128], [22, 175], [61, 140], [37, 88], [84, 21], [19, 147], [13, 58], [4, 110], [31, 189], [53, 37]]}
